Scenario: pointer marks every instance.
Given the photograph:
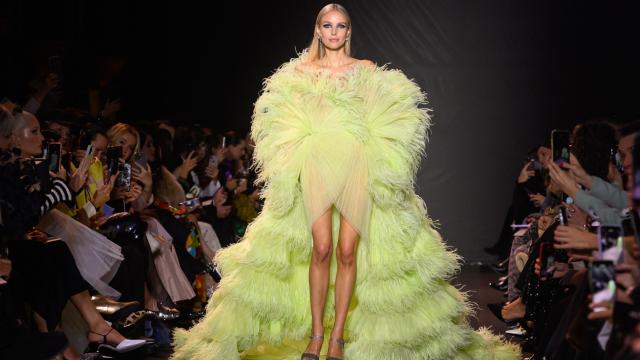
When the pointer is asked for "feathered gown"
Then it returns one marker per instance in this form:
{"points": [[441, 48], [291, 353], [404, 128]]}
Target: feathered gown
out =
{"points": [[353, 142]]}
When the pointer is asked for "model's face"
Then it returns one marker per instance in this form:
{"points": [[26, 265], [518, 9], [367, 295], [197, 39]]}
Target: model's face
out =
{"points": [[29, 139], [128, 143], [333, 30]]}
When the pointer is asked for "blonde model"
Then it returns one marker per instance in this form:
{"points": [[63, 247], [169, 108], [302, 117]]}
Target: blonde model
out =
{"points": [[338, 144]]}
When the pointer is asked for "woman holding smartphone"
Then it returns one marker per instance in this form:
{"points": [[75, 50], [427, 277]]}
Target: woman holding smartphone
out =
{"points": [[338, 142]]}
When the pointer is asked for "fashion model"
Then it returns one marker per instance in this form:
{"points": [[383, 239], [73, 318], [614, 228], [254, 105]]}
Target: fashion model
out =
{"points": [[338, 143]]}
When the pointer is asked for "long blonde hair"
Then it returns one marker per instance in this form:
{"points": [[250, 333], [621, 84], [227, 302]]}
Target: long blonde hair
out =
{"points": [[316, 49]]}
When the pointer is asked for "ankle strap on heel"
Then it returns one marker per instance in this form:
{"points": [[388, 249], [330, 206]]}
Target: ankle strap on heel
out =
{"points": [[104, 336], [316, 337], [339, 341]]}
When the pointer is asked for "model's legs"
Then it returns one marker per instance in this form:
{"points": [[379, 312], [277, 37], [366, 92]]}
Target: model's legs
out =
{"points": [[319, 275], [345, 280]]}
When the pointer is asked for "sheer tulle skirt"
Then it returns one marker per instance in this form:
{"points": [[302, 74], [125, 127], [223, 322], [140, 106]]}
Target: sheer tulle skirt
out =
{"points": [[97, 257]]}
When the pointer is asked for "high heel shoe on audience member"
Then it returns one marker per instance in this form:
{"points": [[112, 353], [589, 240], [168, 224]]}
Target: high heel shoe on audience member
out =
{"points": [[124, 346], [165, 314], [106, 306], [496, 309], [500, 286], [500, 268]]}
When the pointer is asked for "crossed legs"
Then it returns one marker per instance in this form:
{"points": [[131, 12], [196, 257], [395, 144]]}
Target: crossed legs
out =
{"points": [[319, 278]]}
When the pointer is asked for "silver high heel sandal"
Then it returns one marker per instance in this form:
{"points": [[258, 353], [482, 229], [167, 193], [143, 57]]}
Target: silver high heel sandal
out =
{"points": [[340, 342], [312, 356]]}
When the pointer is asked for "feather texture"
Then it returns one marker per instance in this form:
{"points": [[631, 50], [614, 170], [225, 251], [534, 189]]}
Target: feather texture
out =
{"points": [[353, 142]]}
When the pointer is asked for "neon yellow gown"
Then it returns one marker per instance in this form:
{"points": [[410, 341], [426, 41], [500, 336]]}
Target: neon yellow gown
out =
{"points": [[354, 142]]}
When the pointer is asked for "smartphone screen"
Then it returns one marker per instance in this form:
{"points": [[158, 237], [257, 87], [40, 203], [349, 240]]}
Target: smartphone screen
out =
{"points": [[547, 259], [560, 146], [562, 216], [213, 160], [53, 152], [124, 178], [602, 281], [114, 153], [610, 243]]}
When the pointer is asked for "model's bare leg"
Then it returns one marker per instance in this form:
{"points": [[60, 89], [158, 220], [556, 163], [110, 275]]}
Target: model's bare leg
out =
{"points": [[319, 275], [345, 280]]}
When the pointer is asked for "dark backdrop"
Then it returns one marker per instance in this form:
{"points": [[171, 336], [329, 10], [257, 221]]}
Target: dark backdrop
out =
{"points": [[499, 74]]}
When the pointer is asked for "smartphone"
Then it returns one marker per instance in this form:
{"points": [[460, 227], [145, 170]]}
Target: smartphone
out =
{"points": [[124, 178], [191, 204], [224, 142], [560, 146], [616, 159], [54, 155], [213, 160], [602, 281], [54, 64], [534, 164], [89, 150], [610, 243], [547, 259], [533, 231], [562, 216], [114, 153]]}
